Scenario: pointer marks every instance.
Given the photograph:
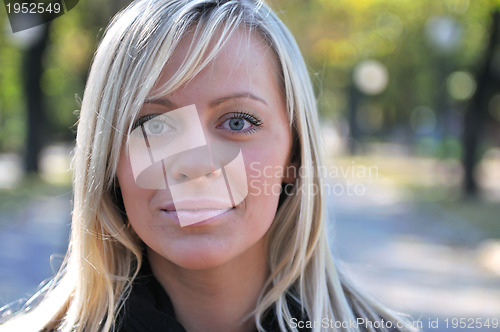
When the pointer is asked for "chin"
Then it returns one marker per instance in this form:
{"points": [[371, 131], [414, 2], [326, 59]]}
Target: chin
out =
{"points": [[203, 260]]}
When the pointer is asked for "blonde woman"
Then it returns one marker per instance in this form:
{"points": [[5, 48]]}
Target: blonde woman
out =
{"points": [[215, 96]]}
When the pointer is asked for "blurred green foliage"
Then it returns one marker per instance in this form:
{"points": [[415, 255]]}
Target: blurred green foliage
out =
{"points": [[73, 40], [337, 35], [12, 124], [334, 35]]}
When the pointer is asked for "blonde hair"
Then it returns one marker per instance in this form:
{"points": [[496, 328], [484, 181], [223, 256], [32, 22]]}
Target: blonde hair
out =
{"points": [[105, 255]]}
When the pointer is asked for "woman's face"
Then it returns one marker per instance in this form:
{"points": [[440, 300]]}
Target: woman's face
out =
{"points": [[239, 103]]}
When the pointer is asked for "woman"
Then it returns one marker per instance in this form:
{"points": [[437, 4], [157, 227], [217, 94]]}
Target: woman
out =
{"points": [[147, 254]]}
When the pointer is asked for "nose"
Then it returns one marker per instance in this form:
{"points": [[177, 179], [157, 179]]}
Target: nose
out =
{"points": [[193, 164]]}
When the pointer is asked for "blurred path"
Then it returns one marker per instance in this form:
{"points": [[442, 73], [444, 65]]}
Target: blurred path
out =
{"points": [[416, 259], [32, 246], [421, 261]]}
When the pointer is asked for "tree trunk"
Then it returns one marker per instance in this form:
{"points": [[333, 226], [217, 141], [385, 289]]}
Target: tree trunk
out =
{"points": [[478, 108], [32, 73]]}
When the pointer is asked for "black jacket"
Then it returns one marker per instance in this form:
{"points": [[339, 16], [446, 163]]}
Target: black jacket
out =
{"points": [[149, 309]]}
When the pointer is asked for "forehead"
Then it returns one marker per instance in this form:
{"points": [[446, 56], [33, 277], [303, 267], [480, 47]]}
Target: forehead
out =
{"points": [[245, 61]]}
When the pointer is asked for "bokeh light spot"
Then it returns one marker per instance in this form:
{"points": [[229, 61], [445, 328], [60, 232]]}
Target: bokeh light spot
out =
{"points": [[371, 77], [461, 85]]}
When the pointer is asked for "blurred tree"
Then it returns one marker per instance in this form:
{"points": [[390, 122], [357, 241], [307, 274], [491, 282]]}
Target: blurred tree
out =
{"points": [[488, 85], [422, 43], [35, 103], [11, 103], [334, 35], [39, 82]]}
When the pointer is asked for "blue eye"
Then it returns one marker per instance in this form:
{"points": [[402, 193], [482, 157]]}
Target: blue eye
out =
{"points": [[153, 125], [237, 124], [241, 122]]}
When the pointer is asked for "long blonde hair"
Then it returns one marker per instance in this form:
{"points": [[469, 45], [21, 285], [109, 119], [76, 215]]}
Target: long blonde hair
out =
{"points": [[105, 255]]}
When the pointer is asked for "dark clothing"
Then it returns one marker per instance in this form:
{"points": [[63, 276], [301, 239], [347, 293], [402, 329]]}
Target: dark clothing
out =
{"points": [[149, 309]]}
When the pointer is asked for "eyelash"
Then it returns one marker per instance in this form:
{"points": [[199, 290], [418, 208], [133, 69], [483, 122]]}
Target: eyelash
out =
{"points": [[143, 119], [254, 120]]}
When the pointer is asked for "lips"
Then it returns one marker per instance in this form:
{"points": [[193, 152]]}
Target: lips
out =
{"points": [[192, 212]]}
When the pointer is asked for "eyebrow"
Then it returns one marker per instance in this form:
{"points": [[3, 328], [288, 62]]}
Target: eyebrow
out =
{"points": [[167, 103], [164, 102], [219, 101]]}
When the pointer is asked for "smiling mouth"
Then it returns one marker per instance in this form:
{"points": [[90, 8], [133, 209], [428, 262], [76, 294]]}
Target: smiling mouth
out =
{"points": [[197, 215]]}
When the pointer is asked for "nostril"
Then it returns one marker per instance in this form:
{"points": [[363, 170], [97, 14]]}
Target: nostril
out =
{"points": [[188, 173], [182, 177], [213, 174]]}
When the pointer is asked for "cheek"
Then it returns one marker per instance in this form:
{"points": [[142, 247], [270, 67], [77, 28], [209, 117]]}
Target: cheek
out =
{"points": [[264, 188], [266, 163], [265, 173]]}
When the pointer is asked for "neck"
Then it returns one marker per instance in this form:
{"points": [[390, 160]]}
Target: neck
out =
{"points": [[215, 299]]}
